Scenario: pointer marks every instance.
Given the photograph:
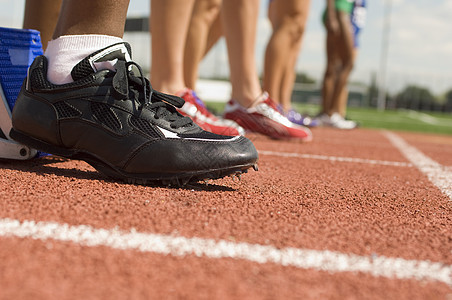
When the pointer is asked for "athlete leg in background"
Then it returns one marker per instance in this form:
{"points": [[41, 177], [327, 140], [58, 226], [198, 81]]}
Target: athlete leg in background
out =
{"points": [[170, 20], [345, 48], [215, 33], [169, 26], [343, 98], [340, 57], [250, 107], [239, 25], [330, 76], [288, 19], [288, 79], [205, 12]]}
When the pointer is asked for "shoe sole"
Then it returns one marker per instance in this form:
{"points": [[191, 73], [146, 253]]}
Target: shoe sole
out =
{"points": [[168, 179]]}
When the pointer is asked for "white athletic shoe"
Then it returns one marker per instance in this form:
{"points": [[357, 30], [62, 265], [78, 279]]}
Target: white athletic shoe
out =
{"points": [[337, 121]]}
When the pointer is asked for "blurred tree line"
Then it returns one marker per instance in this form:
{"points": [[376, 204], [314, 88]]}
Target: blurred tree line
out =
{"points": [[411, 97]]}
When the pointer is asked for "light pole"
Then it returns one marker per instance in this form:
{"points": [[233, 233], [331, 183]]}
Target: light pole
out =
{"points": [[381, 102]]}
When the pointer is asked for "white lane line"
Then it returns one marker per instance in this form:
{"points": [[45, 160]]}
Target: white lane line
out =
{"points": [[337, 158], [328, 261], [439, 175], [422, 117]]}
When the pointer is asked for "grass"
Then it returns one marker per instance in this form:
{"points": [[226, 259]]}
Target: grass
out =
{"points": [[405, 120]]}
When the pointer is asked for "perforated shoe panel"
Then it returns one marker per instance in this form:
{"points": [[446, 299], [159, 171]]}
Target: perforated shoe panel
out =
{"points": [[105, 115]]}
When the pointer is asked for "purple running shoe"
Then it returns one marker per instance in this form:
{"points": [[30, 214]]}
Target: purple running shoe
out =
{"points": [[297, 118]]}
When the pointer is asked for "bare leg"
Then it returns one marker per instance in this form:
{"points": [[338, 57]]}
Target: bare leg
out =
{"points": [[169, 25], [250, 107], [240, 22], [105, 17], [342, 105], [346, 50], [288, 19], [204, 14], [330, 75], [42, 15], [215, 33], [287, 81]]}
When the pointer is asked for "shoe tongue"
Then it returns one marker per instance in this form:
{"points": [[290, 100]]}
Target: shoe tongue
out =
{"points": [[103, 59]]}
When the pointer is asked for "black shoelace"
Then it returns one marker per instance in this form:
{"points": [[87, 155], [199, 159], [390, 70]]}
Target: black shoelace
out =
{"points": [[163, 105]]}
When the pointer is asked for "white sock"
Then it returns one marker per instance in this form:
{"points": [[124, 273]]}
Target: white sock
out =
{"points": [[66, 51]]}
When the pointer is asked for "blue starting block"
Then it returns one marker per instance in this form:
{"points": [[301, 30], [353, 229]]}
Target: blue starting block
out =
{"points": [[18, 48]]}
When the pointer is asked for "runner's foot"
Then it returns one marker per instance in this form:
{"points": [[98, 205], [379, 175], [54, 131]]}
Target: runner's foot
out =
{"points": [[116, 122], [336, 121], [265, 118], [195, 108], [297, 118]]}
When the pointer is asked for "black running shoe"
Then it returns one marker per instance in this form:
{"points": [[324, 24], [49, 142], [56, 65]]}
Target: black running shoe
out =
{"points": [[116, 122]]}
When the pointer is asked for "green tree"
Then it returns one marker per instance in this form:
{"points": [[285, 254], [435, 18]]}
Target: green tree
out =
{"points": [[304, 78], [415, 97], [448, 101]]}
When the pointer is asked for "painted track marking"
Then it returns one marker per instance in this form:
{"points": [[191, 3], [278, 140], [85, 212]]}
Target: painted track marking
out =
{"points": [[439, 175], [422, 117], [337, 158], [329, 261]]}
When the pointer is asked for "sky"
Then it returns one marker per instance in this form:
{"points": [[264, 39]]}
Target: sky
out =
{"points": [[420, 42]]}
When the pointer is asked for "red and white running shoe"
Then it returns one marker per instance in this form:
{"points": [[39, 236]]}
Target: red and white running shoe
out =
{"points": [[265, 118], [198, 112]]}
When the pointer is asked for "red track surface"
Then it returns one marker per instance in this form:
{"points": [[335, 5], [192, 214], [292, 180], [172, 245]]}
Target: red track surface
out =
{"points": [[361, 207]]}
